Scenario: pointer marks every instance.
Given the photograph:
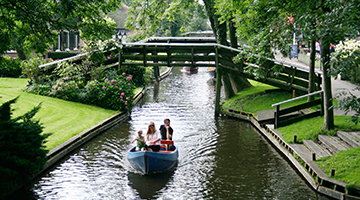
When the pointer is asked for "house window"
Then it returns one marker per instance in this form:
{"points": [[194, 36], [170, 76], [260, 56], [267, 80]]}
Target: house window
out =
{"points": [[67, 41]]}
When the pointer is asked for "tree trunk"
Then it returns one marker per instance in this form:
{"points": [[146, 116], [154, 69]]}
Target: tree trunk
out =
{"points": [[312, 70], [233, 82], [18, 45], [325, 58], [232, 33]]}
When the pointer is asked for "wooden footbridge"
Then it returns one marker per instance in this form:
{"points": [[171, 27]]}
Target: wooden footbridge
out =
{"points": [[202, 52]]}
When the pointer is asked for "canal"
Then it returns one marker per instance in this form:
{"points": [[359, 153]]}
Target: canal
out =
{"points": [[219, 158]]}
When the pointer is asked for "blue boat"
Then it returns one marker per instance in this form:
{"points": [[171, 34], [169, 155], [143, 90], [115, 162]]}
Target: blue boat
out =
{"points": [[150, 162]]}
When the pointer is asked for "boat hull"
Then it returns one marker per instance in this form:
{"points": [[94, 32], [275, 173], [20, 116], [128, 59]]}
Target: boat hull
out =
{"points": [[149, 162]]}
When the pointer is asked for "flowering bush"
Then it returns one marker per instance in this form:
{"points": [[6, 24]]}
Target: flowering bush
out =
{"points": [[118, 93], [347, 61]]}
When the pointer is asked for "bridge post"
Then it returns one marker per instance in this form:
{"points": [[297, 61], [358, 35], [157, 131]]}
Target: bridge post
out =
{"points": [[218, 82], [156, 68]]}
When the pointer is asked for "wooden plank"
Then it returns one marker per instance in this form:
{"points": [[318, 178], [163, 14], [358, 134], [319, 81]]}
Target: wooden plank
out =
{"points": [[333, 145], [300, 107], [298, 118], [302, 151], [317, 149], [349, 138], [356, 135]]}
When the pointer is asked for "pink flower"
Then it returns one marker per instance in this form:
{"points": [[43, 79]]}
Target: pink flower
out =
{"points": [[122, 94], [54, 87], [129, 84], [123, 73], [116, 86], [112, 81], [121, 100], [121, 97], [103, 87], [127, 98], [125, 102], [106, 80], [120, 88], [110, 84], [66, 84], [128, 78], [76, 87]]}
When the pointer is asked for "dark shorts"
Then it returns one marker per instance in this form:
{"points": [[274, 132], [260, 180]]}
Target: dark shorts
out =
{"points": [[152, 147]]}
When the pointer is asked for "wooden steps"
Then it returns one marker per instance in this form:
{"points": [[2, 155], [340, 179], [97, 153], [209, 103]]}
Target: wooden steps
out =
{"points": [[329, 145], [332, 143], [316, 148], [352, 138]]}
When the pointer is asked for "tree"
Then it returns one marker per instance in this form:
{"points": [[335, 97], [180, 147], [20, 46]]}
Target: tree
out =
{"points": [[265, 25], [165, 18], [33, 25], [22, 153]]}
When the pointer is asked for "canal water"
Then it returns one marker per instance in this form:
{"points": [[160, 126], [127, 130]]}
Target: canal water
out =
{"points": [[219, 158]]}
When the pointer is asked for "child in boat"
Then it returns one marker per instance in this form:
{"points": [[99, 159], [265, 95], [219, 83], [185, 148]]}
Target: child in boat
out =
{"points": [[140, 142]]}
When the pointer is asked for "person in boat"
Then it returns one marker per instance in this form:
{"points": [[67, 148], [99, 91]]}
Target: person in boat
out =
{"points": [[166, 131], [152, 138], [140, 141]]}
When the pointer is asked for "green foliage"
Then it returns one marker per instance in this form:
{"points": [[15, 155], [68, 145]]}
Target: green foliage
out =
{"points": [[32, 25], [117, 93], [349, 103], [10, 67], [347, 61], [22, 153], [164, 18], [114, 93], [31, 67], [61, 55]]}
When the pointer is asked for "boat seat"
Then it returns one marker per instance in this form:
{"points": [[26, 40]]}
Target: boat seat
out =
{"points": [[168, 142]]}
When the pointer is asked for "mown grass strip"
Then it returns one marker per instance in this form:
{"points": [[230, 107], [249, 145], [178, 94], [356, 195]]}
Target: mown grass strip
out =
{"points": [[255, 99], [63, 119]]}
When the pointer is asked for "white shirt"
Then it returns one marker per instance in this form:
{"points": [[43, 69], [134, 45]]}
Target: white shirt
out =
{"points": [[152, 138]]}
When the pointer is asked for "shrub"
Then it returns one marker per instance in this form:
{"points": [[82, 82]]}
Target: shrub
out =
{"points": [[118, 92], [22, 153], [347, 61], [10, 67], [31, 67], [115, 93]]}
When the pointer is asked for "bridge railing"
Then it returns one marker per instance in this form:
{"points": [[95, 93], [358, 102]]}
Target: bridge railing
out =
{"points": [[179, 51]]}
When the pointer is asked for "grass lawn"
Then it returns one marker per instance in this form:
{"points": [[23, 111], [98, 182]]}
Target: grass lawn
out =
{"points": [[254, 99], [346, 165], [309, 129], [63, 119]]}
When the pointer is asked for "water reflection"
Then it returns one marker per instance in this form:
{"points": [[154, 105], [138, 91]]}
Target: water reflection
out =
{"points": [[149, 186]]}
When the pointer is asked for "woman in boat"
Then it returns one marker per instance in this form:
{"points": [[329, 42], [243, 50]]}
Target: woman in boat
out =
{"points": [[152, 138]]}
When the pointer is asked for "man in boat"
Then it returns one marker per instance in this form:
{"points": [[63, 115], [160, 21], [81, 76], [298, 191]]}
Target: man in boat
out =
{"points": [[166, 131]]}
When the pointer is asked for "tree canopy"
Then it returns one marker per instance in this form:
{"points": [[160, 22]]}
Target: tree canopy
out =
{"points": [[33, 25]]}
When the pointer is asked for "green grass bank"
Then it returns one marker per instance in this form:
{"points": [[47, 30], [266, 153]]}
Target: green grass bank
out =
{"points": [[346, 163], [63, 119]]}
